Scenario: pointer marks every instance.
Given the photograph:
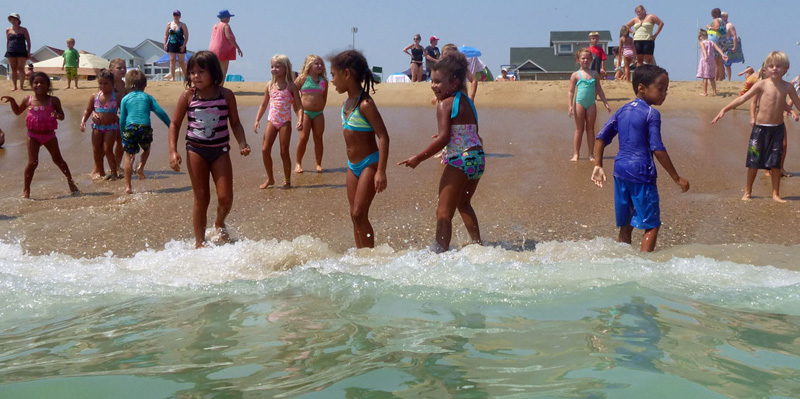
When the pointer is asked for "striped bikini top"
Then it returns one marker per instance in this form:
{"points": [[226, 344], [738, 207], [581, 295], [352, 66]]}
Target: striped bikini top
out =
{"points": [[111, 106], [356, 121], [310, 86], [208, 121]]}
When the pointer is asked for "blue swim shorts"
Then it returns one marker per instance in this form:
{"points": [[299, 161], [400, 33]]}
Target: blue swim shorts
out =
{"points": [[636, 204]]}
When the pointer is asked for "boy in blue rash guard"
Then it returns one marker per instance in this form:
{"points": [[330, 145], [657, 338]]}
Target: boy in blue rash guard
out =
{"points": [[134, 123], [638, 124]]}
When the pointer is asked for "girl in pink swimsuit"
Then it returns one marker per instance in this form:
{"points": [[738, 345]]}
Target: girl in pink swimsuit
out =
{"points": [[44, 112], [279, 96]]}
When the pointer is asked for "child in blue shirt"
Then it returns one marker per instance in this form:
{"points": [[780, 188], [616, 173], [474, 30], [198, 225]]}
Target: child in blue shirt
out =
{"points": [[639, 127], [134, 122]]}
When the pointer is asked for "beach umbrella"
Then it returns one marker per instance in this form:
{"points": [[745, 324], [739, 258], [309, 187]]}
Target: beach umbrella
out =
{"points": [[469, 51], [88, 65], [165, 58]]}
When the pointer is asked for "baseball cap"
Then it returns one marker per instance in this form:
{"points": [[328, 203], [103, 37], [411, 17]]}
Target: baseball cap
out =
{"points": [[433, 38]]}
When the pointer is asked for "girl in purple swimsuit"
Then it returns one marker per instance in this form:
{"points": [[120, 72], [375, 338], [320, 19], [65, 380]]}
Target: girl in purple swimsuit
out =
{"points": [[105, 130], [44, 112]]}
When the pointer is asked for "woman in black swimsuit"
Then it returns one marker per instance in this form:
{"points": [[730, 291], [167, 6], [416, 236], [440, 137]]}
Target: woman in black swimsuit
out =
{"points": [[18, 49], [415, 50], [175, 37]]}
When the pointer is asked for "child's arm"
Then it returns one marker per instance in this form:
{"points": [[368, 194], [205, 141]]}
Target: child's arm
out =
{"points": [[159, 111], [573, 80], [473, 88], [87, 113], [370, 111], [666, 162], [441, 139], [702, 51], [756, 89], [793, 96], [598, 174], [16, 108], [598, 91], [719, 50], [174, 129], [63, 61], [236, 123], [261, 109], [298, 105], [58, 112], [123, 114]]}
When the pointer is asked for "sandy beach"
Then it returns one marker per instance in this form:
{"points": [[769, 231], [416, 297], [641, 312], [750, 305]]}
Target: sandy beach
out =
{"points": [[530, 192]]}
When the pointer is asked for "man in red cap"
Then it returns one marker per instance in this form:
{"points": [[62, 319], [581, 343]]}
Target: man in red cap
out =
{"points": [[432, 54]]}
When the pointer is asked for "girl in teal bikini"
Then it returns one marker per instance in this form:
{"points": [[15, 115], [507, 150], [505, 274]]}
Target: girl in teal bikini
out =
{"points": [[582, 104], [314, 95], [362, 124]]}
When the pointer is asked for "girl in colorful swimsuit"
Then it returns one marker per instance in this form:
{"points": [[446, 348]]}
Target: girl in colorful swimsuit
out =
{"points": [[582, 102], [280, 96], [44, 112], [366, 156], [464, 159], [626, 53], [314, 96], [210, 109], [105, 129]]}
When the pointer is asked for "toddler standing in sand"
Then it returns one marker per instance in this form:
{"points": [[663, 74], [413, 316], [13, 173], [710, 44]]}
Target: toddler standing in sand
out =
{"points": [[210, 108], [280, 96], [44, 112], [765, 150], [134, 119], [314, 95], [638, 124], [582, 102], [70, 63], [464, 158], [362, 124]]}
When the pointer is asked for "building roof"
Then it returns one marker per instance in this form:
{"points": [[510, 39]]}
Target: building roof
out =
{"points": [[577, 36], [544, 58]]}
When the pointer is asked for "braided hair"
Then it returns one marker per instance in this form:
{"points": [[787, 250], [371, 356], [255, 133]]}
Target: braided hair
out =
{"points": [[357, 64]]}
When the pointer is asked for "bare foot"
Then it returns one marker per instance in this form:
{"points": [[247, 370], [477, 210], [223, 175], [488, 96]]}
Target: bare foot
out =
{"points": [[128, 190], [140, 172], [777, 198], [319, 169], [767, 173], [704, 94], [26, 194], [715, 93], [267, 184], [287, 184], [200, 244], [97, 175], [111, 177], [222, 235], [747, 196], [591, 159], [298, 169], [785, 173], [73, 189], [574, 158]]}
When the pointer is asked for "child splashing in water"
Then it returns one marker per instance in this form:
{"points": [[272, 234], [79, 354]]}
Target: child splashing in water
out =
{"points": [[134, 120], [366, 156], [44, 112], [582, 102], [104, 105], [280, 96], [314, 96], [463, 157], [211, 108]]}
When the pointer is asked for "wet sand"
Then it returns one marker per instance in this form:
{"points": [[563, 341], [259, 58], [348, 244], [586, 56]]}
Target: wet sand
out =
{"points": [[530, 192]]}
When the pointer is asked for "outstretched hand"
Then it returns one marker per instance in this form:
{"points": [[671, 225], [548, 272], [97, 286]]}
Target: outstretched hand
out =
{"points": [[718, 117], [410, 162], [598, 176]]}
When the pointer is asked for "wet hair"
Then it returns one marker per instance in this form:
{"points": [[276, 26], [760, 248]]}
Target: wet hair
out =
{"points": [[716, 12], [454, 66], [287, 65], [702, 34], [448, 48], [310, 60], [208, 61], [105, 74], [43, 76], [778, 58], [624, 31], [357, 64], [581, 51], [135, 80], [646, 75]]}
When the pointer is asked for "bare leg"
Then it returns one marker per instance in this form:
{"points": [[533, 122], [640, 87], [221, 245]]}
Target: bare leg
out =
{"points": [[303, 136], [198, 173], [108, 150], [97, 153], [591, 116], [222, 174], [776, 176], [33, 162], [224, 65], [182, 63], [705, 87], [266, 154], [452, 187], [468, 213], [577, 136], [748, 188], [318, 126], [128, 172], [55, 153], [360, 193], [649, 240], [285, 138], [172, 59], [728, 72], [119, 152], [714, 86], [625, 234]]}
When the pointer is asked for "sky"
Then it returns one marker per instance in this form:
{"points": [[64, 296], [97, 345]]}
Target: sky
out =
{"points": [[264, 28]]}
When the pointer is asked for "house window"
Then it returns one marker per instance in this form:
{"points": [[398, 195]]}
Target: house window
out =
{"points": [[130, 63], [147, 71], [564, 48]]}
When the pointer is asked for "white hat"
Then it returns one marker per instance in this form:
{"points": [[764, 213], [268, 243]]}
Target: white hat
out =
{"points": [[15, 15]]}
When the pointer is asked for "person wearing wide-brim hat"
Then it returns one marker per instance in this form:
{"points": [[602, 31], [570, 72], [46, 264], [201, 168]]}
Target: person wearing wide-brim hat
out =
{"points": [[223, 42], [18, 49]]}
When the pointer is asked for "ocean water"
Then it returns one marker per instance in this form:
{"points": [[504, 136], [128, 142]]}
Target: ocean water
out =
{"points": [[272, 319]]}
